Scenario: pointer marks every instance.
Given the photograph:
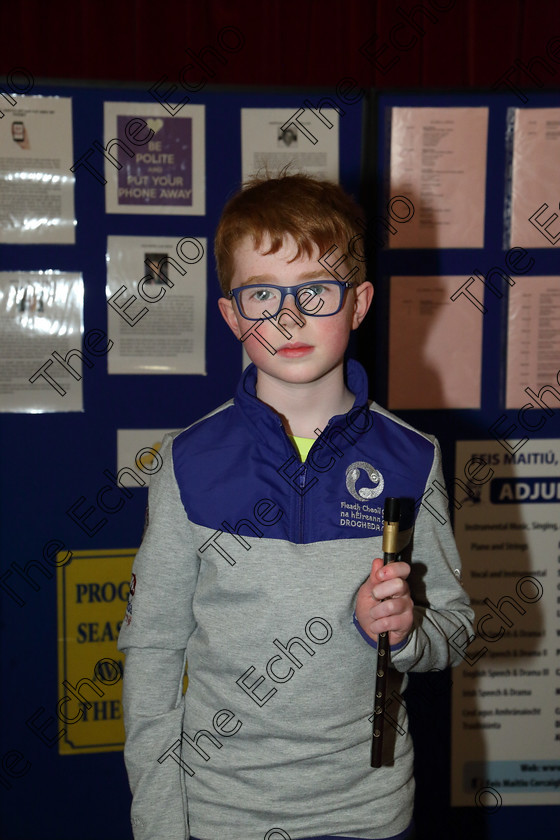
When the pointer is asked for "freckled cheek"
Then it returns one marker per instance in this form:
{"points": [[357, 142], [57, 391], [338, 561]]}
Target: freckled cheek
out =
{"points": [[259, 355], [334, 335], [337, 347], [261, 340]]}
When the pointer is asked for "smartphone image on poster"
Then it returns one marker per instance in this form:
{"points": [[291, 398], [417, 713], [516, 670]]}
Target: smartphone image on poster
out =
{"points": [[18, 131]]}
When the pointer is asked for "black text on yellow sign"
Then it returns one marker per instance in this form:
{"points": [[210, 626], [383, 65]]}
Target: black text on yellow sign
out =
{"points": [[92, 596]]}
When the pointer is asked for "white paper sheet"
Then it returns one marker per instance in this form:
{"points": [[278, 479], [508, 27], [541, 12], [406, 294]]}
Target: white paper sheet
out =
{"points": [[137, 451], [505, 734], [265, 147], [435, 346], [163, 170], [37, 186], [169, 337], [438, 161], [42, 315], [533, 356], [535, 188]]}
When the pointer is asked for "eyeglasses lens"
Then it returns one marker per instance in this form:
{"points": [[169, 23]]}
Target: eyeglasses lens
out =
{"points": [[313, 299]]}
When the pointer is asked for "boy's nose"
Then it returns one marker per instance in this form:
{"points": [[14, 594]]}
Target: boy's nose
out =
{"points": [[297, 318]]}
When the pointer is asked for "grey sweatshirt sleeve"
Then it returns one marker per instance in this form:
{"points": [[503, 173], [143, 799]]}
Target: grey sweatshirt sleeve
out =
{"points": [[154, 636], [442, 612]]}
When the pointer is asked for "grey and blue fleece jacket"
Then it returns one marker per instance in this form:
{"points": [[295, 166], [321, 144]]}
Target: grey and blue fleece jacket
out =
{"points": [[249, 569]]}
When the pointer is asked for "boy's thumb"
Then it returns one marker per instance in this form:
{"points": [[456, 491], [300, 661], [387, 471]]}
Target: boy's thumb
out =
{"points": [[375, 566]]}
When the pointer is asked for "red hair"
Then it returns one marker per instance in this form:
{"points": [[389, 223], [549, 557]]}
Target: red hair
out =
{"points": [[312, 211]]}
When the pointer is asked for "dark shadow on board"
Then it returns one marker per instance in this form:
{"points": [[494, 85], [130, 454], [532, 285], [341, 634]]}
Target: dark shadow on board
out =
{"points": [[428, 695]]}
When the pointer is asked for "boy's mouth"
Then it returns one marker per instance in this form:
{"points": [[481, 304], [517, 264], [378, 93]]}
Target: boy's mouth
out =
{"points": [[294, 349]]}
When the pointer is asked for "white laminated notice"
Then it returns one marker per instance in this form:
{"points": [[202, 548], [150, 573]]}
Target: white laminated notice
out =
{"points": [[156, 291], [306, 144], [37, 184], [41, 341]]}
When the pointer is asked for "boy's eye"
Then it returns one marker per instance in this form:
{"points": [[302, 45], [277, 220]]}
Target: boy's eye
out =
{"points": [[316, 289], [262, 295]]}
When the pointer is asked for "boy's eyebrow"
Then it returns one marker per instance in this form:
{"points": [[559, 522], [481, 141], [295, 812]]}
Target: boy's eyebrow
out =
{"points": [[315, 274]]}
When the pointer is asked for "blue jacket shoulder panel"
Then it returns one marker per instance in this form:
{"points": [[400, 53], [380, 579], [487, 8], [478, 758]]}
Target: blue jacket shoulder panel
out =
{"points": [[237, 470]]}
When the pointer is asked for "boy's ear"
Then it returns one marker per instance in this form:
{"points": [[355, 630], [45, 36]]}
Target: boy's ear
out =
{"points": [[225, 306], [362, 302]]}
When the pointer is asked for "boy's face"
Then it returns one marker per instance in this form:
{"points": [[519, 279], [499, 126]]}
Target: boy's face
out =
{"points": [[317, 344]]}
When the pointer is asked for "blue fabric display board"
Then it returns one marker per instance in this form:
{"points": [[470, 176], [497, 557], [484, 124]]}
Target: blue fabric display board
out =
{"points": [[493, 261], [58, 779]]}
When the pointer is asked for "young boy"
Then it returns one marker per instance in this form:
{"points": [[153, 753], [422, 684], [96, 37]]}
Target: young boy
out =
{"points": [[265, 573]]}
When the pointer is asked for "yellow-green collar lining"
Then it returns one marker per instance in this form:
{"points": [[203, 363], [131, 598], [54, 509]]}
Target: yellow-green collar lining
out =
{"points": [[302, 445]]}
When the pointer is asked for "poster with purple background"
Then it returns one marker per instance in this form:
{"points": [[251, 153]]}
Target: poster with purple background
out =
{"points": [[161, 160], [160, 172]]}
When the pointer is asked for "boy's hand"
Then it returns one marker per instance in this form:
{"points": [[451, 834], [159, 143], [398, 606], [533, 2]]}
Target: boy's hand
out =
{"points": [[395, 614]]}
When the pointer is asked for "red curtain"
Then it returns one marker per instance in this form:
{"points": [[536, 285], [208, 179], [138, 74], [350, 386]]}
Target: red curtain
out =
{"points": [[433, 43]]}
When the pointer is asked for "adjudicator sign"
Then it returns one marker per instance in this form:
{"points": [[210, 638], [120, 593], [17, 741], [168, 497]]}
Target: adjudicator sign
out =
{"points": [[92, 596], [505, 746]]}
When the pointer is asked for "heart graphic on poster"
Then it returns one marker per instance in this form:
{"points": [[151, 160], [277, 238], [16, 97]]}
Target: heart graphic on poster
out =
{"points": [[155, 125]]}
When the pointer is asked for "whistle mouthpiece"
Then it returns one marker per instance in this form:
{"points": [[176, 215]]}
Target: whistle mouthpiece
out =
{"points": [[391, 510]]}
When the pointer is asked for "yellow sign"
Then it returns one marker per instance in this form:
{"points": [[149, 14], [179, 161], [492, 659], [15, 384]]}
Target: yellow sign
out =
{"points": [[92, 597]]}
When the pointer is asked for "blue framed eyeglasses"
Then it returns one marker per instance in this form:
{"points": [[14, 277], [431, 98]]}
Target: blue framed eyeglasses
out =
{"points": [[263, 301]]}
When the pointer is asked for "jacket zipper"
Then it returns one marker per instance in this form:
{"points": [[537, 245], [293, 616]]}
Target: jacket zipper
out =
{"points": [[301, 481]]}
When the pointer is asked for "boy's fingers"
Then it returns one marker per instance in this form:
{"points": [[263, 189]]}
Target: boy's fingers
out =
{"points": [[392, 614], [399, 569], [394, 570], [388, 582], [394, 587], [381, 575], [391, 606]]}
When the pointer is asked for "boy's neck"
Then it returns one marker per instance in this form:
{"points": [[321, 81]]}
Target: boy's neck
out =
{"points": [[308, 406]]}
